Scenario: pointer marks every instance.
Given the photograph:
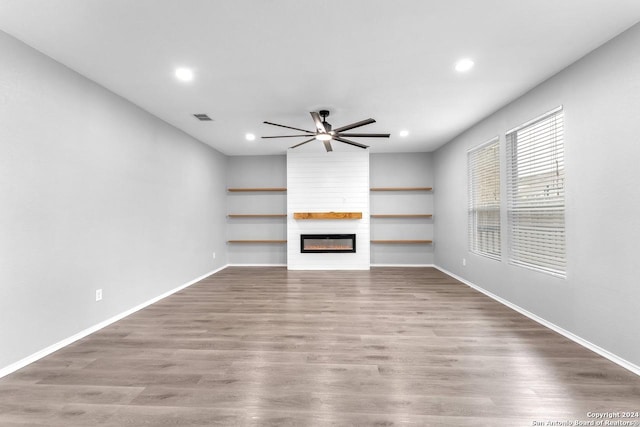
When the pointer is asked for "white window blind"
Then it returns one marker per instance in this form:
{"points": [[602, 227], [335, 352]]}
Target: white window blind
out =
{"points": [[483, 170], [535, 194]]}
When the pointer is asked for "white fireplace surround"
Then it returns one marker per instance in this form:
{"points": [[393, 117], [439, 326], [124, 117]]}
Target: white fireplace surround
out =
{"points": [[337, 181]]}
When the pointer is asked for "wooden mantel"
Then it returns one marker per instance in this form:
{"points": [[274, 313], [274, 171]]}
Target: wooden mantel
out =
{"points": [[327, 215]]}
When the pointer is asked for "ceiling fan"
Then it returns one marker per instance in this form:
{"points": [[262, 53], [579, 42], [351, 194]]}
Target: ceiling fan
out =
{"points": [[326, 134]]}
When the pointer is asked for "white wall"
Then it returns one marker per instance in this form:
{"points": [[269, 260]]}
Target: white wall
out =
{"points": [[94, 193], [599, 299], [337, 181]]}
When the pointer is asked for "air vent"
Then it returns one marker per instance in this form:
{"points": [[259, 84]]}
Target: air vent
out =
{"points": [[203, 117]]}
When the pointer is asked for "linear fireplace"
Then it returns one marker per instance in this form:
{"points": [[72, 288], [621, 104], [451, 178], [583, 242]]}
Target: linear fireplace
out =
{"points": [[327, 243]]}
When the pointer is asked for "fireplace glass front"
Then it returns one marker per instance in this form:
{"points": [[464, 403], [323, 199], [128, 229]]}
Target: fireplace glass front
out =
{"points": [[327, 243]]}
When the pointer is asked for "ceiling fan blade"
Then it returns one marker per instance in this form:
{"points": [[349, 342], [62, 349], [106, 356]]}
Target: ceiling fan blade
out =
{"points": [[355, 125], [346, 141], [368, 135], [287, 136], [288, 127], [327, 145], [303, 142], [318, 121]]}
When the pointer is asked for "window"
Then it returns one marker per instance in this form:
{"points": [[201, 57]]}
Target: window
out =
{"points": [[483, 164], [535, 194]]}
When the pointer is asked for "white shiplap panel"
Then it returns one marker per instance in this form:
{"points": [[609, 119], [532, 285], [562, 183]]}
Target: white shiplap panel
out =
{"points": [[328, 182]]}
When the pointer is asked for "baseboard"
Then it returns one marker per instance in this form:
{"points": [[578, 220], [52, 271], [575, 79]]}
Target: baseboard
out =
{"points": [[57, 346], [327, 269], [372, 265], [575, 338], [65, 342], [256, 265], [403, 265]]}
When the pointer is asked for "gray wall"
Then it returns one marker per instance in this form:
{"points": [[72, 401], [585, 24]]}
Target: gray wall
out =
{"points": [[386, 170], [402, 170], [94, 193], [252, 172], [599, 299]]}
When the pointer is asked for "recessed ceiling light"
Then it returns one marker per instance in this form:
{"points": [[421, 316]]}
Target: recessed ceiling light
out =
{"points": [[184, 74], [464, 65], [404, 133], [250, 137]]}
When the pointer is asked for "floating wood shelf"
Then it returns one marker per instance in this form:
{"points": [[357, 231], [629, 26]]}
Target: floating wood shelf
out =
{"points": [[401, 188], [257, 215], [234, 190], [403, 241], [401, 215], [256, 241], [327, 215]]}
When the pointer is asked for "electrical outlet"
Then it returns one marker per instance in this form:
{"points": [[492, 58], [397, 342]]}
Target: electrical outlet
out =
{"points": [[98, 294], [464, 262], [214, 255]]}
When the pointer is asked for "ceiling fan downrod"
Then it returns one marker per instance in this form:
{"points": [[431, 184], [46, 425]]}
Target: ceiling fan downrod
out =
{"points": [[324, 114]]}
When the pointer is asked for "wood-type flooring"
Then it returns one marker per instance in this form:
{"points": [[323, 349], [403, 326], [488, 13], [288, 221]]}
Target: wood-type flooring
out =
{"points": [[271, 347]]}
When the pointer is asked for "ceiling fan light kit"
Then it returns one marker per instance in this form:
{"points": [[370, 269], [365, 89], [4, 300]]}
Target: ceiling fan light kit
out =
{"points": [[326, 134]]}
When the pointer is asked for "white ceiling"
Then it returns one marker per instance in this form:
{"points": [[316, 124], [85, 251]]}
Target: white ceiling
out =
{"points": [[277, 60]]}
